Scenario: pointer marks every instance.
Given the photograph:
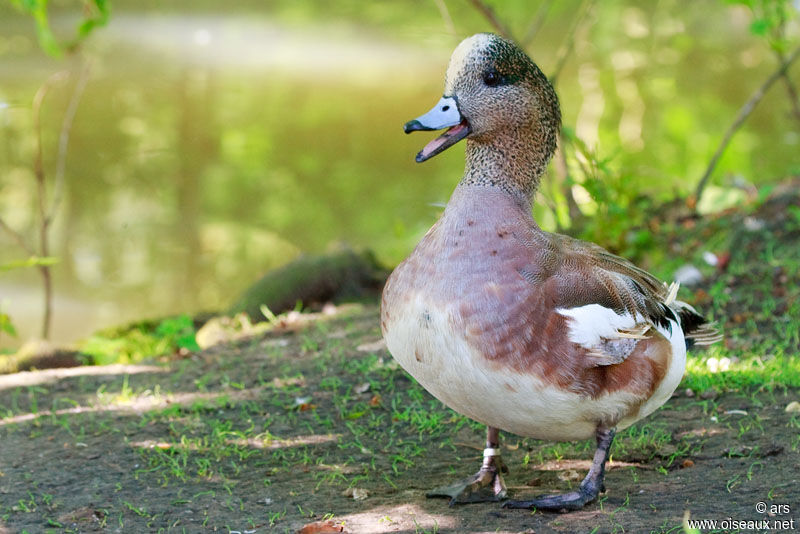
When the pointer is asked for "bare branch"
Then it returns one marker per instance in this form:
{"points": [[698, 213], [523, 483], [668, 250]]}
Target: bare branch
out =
{"points": [[17, 237], [744, 112], [778, 36], [44, 220], [536, 23], [38, 160], [445, 13], [489, 15], [791, 90], [569, 44], [63, 140], [794, 99]]}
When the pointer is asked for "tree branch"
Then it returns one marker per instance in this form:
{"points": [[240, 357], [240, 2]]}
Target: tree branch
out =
{"points": [[569, 44], [489, 15], [445, 13], [63, 141], [41, 185], [793, 97], [17, 237], [536, 23], [744, 112]]}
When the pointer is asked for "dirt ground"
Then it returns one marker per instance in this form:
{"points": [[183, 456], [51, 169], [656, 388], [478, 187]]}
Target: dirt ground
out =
{"points": [[318, 426]]}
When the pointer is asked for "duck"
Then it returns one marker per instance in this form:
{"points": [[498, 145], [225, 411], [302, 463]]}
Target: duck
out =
{"points": [[525, 331]]}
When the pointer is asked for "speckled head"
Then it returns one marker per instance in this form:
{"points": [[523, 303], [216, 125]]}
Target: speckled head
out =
{"points": [[492, 90]]}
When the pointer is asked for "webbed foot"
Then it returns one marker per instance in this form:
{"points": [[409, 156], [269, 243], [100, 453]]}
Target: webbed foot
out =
{"points": [[589, 489], [484, 486], [574, 500]]}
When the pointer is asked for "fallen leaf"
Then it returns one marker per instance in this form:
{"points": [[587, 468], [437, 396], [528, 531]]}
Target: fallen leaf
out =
{"points": [[321, 527], [284, 382], [372, 347], [358, 494], [793, 407], [375, 400], [735, 412], [723, 259], [708, 394]]}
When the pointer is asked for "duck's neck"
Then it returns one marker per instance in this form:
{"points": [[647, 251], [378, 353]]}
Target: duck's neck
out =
{"points": [[512, 163]]}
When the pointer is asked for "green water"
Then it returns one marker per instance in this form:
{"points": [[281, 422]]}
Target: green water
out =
{"points": [[209, 148]]}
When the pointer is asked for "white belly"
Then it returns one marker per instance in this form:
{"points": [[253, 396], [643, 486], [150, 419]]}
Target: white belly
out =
{"points": [[422, 340]]}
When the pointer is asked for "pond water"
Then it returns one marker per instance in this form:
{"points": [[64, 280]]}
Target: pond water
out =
{"points": [[208, 148]]}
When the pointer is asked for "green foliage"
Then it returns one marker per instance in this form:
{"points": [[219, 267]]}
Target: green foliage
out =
{"points": [[33, 261], [178, 331], [770, 18], [6, 325], [94, 14], [38, 10], [142, 341], [618, 210]]}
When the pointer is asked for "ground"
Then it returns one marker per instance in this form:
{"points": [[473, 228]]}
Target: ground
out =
{"points": [[269, 433], [312, 427]]}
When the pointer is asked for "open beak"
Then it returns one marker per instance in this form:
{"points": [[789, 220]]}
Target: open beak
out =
{"points": [[445, 114]]}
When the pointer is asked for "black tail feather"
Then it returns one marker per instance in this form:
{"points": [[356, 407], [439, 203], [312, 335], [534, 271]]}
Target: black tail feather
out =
{"points": [[696, 329]]}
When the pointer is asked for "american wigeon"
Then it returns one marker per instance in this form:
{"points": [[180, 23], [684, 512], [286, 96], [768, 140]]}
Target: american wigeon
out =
{"points": [[530, 332]]}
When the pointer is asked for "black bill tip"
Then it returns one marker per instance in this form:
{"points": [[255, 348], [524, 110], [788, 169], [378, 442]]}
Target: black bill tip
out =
{"points": [[413, 126]]}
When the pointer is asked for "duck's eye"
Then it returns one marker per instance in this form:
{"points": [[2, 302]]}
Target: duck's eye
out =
{"points": [[491, 78]]}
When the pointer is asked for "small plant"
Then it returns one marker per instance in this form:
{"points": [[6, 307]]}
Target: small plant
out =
{"points": [[142, 340]]}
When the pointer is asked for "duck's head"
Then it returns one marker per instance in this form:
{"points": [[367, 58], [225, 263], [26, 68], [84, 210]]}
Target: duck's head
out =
{"points": [[492, 89]]}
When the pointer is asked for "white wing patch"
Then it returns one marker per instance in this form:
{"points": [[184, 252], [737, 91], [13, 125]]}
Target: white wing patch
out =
{"points": [[591, 324], [609, 337]]}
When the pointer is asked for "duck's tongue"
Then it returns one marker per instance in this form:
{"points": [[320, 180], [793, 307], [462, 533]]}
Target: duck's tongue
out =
{"points": [[451, 136]]}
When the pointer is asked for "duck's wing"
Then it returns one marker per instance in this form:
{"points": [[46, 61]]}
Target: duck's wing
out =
{"points": [[611, 304]]}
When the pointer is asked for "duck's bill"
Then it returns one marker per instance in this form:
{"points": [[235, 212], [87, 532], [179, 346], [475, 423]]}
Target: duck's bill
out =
{"points": [[445, 114]]}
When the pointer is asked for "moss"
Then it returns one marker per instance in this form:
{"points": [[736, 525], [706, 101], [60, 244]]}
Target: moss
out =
{"points": [[344, 275]]}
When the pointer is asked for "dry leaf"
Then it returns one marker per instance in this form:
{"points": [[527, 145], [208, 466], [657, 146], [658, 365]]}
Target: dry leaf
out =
{"points": [[321, 527], [372, 347], [358, 494]]}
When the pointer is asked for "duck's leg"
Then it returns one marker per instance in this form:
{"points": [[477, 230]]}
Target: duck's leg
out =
{"points": [[484, 486], [589, 489]]}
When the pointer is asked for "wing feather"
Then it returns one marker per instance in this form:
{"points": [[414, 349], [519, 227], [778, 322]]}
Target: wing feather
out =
{"points": [[626, 291]]}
